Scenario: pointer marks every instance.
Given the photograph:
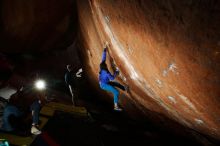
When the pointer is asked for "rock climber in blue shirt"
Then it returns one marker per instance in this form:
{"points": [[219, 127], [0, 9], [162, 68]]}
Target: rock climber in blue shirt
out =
{"points": [[106, 80]]}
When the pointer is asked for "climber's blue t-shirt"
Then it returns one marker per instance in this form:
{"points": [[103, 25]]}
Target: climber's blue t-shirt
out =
{"points": [[104, 75]]}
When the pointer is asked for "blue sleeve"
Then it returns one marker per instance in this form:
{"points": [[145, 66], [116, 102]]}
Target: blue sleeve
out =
{"points": [[104, 55], [112, 77]]}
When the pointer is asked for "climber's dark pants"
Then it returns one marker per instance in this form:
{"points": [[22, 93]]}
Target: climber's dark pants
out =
{"points": [[35, 109], [116, 84]]}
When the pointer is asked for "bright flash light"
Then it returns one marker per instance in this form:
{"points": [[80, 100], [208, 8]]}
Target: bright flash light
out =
{"points": [[40, 84]]}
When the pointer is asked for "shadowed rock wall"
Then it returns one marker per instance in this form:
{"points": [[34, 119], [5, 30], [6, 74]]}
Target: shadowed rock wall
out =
{"points": [[168, 53], [36, 25], [37, 37]]}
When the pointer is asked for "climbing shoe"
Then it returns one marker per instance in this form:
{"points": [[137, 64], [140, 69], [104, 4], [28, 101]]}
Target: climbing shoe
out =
{"points": [[126, 88], [117, 109], [35, 130]]}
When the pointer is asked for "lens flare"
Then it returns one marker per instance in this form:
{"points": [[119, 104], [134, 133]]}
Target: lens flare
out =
{"points": [[40, 84]]}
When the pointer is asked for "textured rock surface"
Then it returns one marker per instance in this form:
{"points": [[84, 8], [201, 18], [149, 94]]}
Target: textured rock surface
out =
{"points": [[168, 52]]}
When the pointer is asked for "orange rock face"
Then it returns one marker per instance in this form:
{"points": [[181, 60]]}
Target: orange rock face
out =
{"points": [[168, 53]]}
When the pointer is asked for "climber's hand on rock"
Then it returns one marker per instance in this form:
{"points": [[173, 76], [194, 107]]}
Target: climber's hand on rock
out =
{"points": [[117, 71], [106, 45]]}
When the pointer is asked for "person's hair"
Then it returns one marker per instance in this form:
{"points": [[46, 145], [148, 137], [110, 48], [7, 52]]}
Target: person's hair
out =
{"points": [[103, 66], [69, 68]]}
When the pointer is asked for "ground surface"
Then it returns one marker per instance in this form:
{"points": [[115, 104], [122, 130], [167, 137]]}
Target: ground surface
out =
{"points": [[104, 127]]}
